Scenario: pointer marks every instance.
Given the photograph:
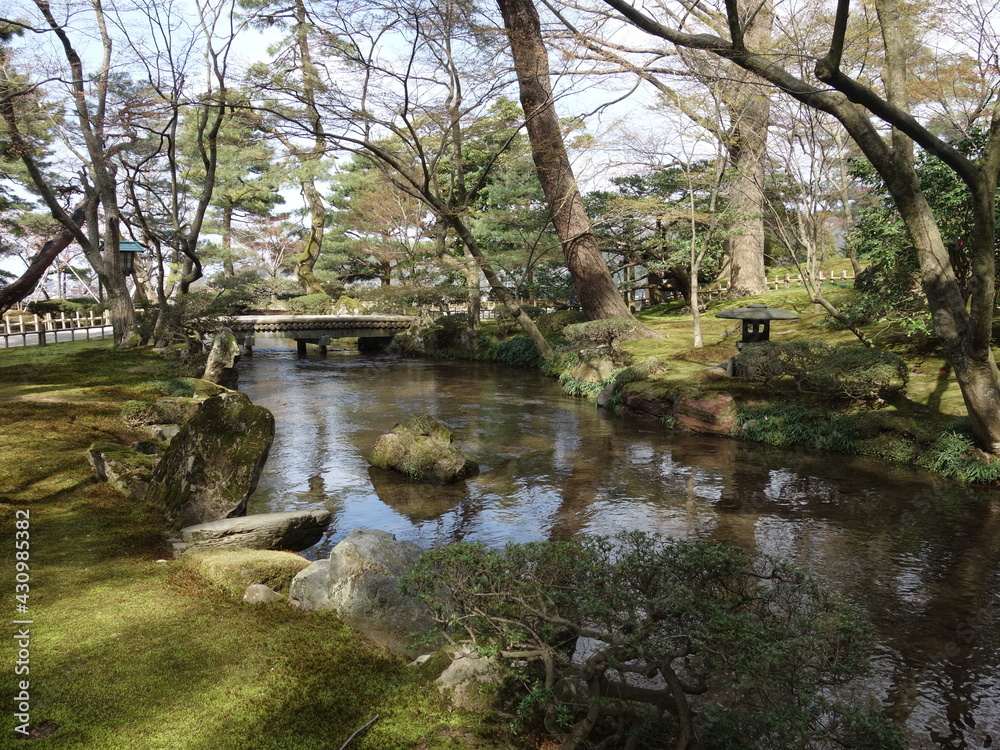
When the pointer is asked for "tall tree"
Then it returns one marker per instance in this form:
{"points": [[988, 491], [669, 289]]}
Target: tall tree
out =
{"points": [[596, 289], [300, 127], [248, 178], [963, 330], [377, 226], [88, 97]]}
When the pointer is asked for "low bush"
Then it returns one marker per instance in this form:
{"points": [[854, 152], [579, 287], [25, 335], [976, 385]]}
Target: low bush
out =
{"points": [[645, 641], [517, 351], [791, 424], [579, 388], [954, 454], [450, 330], [310, 304], [853, 372], [552, 324], [632, 374]]}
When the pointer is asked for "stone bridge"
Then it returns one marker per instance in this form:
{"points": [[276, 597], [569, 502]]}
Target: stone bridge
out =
{"points": [[371, 331]]}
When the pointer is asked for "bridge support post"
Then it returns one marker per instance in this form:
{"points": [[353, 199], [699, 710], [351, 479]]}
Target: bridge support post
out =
{"points": [[324, 342], [300, 346], [248, 343]]}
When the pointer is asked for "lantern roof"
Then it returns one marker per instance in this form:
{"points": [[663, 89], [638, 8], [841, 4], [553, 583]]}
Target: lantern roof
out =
{"points": [[757, 312]]}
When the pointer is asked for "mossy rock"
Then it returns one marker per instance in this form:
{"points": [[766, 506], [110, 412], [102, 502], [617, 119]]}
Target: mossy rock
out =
{"points": [[232, 570], [422, 449], [212, 466], [651, 397], [127, 470], [162, 411], [204, 389]]}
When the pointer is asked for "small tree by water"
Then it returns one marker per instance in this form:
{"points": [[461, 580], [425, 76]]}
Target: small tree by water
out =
{"points": [[632, 639]]}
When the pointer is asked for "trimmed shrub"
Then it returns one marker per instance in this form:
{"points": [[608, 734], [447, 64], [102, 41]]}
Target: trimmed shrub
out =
{"points": [[310, 304], [847, 371], [602, 332], [552, 324]]}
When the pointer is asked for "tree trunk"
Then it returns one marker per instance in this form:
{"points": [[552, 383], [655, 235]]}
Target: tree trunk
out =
{"points": [[25, 284], [228, 268], [306, 260], [749, 108], [596, 289]]}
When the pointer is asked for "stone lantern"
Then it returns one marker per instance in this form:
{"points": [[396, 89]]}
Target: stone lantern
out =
{"points": [[756, 321]]}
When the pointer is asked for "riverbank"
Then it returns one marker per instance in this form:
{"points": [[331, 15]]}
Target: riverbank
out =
{"points": [[127, 649], [924, 425]]}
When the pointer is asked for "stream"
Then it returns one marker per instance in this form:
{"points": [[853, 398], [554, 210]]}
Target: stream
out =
{"points": [[921, 555]]}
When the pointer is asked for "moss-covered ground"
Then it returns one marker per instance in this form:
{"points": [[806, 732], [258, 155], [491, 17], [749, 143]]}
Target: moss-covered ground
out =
{"points": [[130, 650], [931, 394]]}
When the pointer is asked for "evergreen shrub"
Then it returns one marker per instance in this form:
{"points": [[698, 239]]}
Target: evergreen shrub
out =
{"points": [[853, 372], [310, 304], [552, 324], [678, 639]]}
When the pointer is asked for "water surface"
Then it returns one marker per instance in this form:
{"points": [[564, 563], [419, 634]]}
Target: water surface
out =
{"points": [[920, 554]]}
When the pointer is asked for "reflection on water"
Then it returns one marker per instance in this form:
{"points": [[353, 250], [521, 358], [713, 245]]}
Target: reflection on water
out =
{"points": [[918, 553]]}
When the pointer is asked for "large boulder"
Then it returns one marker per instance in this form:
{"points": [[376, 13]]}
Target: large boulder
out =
{"points": [[293, 530], [222, 359], [214, 463], [595, 366], [360, 582], [422, 448], [714, 415]]}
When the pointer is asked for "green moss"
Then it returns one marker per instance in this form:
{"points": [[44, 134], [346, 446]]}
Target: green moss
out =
{"points": [[232, 570], [134, 654]]}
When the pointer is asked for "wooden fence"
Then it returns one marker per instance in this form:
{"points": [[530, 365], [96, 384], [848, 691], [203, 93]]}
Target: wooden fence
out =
{"points": [[49, 328], [720, 290]]}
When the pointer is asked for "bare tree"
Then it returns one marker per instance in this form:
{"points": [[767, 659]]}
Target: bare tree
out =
{"points": [[964, 332], [88, 109]]}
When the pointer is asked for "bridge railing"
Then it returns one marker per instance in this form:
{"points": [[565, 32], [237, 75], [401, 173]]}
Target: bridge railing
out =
{"points": [[46, 329]]}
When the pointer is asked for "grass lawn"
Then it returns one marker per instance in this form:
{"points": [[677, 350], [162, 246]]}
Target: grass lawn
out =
{"points": [[130, 651]]}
